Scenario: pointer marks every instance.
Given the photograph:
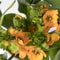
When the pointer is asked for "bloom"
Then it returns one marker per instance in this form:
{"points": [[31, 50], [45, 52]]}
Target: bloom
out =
{"points": [[51, 17], [52, 38]]}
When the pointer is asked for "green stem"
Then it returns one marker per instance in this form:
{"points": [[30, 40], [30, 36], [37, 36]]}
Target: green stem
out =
{"points": [[1, 20], [2, 17]]}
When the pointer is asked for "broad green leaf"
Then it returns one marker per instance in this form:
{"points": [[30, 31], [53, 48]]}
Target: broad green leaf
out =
{"points": [[43, 3], [22, 7], [54, 49], [56, 45], [47, 58], [52, 53], [57, 56], [8, 20], [55, 3]]}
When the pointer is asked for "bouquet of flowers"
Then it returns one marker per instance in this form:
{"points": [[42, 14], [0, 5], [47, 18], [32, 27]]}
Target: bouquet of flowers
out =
{"points": [[36, 36]]}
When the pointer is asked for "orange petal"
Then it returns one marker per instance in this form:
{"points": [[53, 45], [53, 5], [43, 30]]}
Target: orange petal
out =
{"points": [[12, 31], [41, 51], [39, 56], [22, 54], [31, 56], [53, 38]]}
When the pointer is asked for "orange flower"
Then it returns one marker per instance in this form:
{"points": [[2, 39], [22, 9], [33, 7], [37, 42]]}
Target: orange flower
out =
{"points": [[39, 56], [12, 31], [47, 26], [22, 36], [31, 52], [58, 28], [27, 51], [52, 38], [22, 53], [41, 51], [51, 17], [31, 56], [36, 54]]}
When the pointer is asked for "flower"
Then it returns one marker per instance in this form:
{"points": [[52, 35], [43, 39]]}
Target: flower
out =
{"points": [[51, 17], [22, 36], [12, 31], [32, 53], [52, 38], [36, 55], [58, 28], [47, 26]]}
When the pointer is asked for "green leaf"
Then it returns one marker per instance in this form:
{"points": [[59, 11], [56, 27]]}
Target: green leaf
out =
{"points": [[37, 38], [8, 20], [16, 22], [2, 44], [52, 53], [56, 45], [13, 47], [22, 8], [55, 3], [2, 57], [39, 28], [19, 23], [43, 3], [47, 58], [54, 49], [57, 57]]}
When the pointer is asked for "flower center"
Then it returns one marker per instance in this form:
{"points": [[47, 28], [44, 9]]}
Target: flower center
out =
{"points": [[49, 18]]}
